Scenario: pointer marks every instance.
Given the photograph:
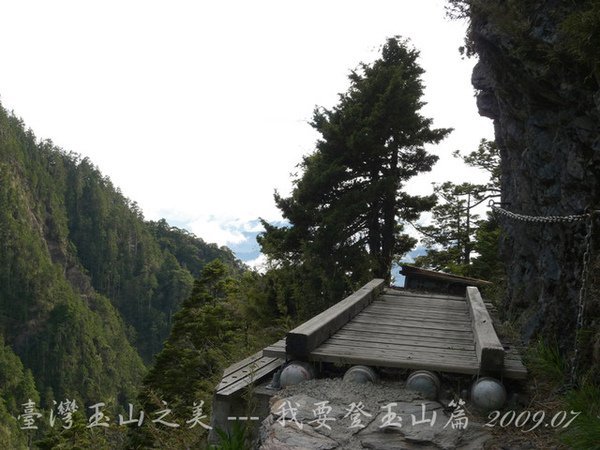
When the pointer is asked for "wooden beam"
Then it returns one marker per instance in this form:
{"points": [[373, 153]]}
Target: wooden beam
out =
{"points": [[231, 384], [490, 352], [308, 336], [384, 359], [401, 292]]}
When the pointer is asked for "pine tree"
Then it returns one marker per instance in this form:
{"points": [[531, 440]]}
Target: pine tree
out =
{"points": [[346, 209], [205, 338], [451, 238]]}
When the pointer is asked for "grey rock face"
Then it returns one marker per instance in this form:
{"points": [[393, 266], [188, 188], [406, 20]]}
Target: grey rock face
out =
{"points": [[387, 417], [547, 124]]}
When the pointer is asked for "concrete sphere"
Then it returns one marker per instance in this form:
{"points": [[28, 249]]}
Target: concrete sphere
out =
{"points": [[360, 375], [425, 383], [488, 394], [296, 372]]}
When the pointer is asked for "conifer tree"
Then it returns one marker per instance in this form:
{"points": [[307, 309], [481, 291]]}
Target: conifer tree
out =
{"points": [[347, 207], [205, 338], [453, 234]]}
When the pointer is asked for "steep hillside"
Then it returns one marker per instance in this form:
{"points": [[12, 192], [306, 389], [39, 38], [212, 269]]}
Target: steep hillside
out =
{"points": [[86, 285]]}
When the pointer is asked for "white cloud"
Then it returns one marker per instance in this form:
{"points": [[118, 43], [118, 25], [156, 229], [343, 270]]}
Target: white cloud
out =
{"points": [[219, 231], [259, 264], [253, 227], [199, 110]]}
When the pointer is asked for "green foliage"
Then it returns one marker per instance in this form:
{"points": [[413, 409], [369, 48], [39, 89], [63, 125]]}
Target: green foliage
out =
{"points": [[207, 335], [146, 269], [344, 210], [453, 228], [584, 431], [16, 387], [487, 159], [80, 437], [190, 251], [237, 439], [456, 230], [575, 46], [82, 278], [581, 35], [545, 360], [63, 331], [511, 17]]}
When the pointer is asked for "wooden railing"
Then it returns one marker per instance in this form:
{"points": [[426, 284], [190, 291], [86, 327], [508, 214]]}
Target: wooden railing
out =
{"points": [[490, 352], [305, 338]]}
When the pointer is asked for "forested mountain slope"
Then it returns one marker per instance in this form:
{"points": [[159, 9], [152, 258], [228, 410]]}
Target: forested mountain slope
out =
{"points": [[87, 287]]}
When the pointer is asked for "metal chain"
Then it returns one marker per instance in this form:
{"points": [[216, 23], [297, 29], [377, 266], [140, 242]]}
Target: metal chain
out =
{"points": [[587, 254], [589, 218], [539, 219]]}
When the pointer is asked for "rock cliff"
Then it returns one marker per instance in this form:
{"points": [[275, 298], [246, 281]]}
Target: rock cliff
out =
{"points": [[538, 81]]}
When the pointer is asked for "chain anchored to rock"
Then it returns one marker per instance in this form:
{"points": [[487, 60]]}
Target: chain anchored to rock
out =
{"points": [[590, 218], [538, 219]]}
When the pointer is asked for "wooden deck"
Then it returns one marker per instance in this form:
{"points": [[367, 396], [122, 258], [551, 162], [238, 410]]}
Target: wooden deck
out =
{"points": [[397, 328], [379, 327]]}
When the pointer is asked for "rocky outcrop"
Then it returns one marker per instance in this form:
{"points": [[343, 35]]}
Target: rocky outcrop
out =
{"points": [[417, 424], [545, 104]]}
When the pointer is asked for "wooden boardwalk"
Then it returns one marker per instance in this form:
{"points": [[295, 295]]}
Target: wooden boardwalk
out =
{"points": [[380, 327], [398, 328]]}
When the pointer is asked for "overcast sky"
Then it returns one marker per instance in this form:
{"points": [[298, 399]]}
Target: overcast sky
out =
{"points": [[199, 110]]}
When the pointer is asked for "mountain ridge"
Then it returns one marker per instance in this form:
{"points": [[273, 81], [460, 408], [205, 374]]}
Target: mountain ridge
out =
{"points": [[87, 286]]}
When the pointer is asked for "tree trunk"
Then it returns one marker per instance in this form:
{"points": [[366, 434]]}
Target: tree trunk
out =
{"points": [[389, 220]]}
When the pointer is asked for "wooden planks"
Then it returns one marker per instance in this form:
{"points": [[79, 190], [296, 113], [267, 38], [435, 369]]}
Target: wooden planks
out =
{"points": [[375, 321], [399, 354], [241, 364], [423, 302], [406, 330], [247, 371], [416, 332], [413, 341], [407, 360], [428, 295], [490, 352], [308, 336], [420, 307], [439, 350], [458, 316]]}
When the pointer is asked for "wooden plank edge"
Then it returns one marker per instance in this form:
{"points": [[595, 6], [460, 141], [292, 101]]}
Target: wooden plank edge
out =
{"points": [[245, 371], [401, 292], [437, 344], [308, 336], [403, 364], [400, 348], [251, 378], [241, 364], [388, 355], [489, 349], [275, 352], [455, 301]]}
